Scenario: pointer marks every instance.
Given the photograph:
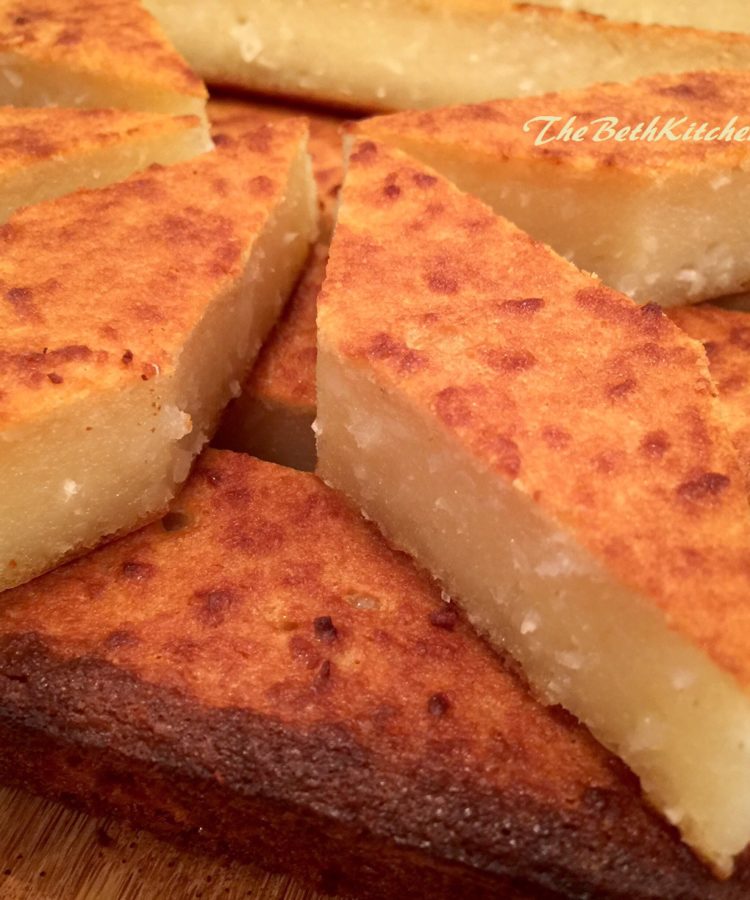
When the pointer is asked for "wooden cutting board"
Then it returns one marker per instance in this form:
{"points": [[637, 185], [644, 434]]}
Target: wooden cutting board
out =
{"points": [[48, 852]]}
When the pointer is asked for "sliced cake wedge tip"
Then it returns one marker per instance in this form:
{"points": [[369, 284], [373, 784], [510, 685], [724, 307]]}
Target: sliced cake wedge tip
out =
{"points": [[644, 184], [128, 318], [556, 455]]}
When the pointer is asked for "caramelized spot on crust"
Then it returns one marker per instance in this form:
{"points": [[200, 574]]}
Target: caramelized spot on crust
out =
{"points": [[706, 489], [213, 606]]}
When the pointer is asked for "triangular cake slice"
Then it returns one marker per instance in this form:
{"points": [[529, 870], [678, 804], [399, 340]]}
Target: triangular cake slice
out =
{"points": [[725, 335], [128, 316], [46, 153], [405, 54], [596, 175], [727, 15], [97, 53], [263, 673], [556, 455]]}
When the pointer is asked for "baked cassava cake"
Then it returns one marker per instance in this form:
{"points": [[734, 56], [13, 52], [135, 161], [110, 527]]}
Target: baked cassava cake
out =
{"points": [[261, 673], [659, 219], [46, 153], [98, 53], [129, 315], [273, 416], [402, 54], [725, 334], [725, 15], [557, 456]]}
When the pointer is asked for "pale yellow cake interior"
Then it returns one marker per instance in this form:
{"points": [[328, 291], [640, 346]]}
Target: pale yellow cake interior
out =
{"points": [[583, 640], [95, 168], [726, 15], [118, 459], [24, 82], [389, 54]]}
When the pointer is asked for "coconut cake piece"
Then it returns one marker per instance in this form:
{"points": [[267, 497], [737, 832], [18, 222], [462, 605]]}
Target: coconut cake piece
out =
{"points": [[46, 153], [273, 416], [556, 455], [679, 233], [96, 53], [726, 15], [122, 354], [725, 335], [404, 54], [262, 673]]}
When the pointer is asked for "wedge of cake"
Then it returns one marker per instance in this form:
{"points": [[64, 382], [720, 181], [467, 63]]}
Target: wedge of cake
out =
{"points": [[401, 54], [556, 455], [727, 15], [46, 153], [261, 673], [554, 166], [129, 316], [725, 335], [273, 416], [98, 53]]}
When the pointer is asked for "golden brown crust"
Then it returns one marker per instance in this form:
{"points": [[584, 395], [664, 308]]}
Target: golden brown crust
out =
{"points": [[116, 39], [187, 229], [603, 412], [495, 130], [301, 685], [725, 334], [33, 135]]}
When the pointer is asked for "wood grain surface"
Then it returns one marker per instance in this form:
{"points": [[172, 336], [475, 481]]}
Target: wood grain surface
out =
{"points": [[48, 852]]}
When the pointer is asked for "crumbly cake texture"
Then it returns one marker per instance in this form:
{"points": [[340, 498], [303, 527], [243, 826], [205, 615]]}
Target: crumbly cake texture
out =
{"points": [[127, 363], [548, 449], [387, 54], [114, 42], [725, 334], [273, 417], [261, 673]]}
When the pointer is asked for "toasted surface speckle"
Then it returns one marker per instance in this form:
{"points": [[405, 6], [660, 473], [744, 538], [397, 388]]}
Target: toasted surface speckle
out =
{"points": [[29, 136], [725, 334], [220, 673], [609, 379]]}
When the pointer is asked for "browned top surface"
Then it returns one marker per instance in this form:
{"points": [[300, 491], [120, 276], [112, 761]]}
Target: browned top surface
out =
{"points": [[602, 411], [29, 136], [285, 371], [726, 336], [230, 116], [487, 131], [273, 600], [150, 255], [115, 39]]}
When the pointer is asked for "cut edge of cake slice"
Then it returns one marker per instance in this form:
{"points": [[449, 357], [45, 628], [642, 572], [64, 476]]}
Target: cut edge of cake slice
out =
{"points": [[49, 152], [547, 465], [128, 395], [423, 53]]}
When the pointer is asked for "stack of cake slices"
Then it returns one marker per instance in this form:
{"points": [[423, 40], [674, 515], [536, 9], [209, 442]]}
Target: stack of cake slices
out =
{"points": [[497, 646]]}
